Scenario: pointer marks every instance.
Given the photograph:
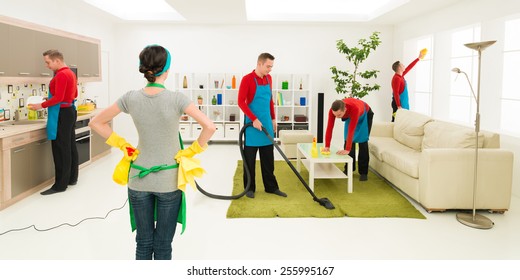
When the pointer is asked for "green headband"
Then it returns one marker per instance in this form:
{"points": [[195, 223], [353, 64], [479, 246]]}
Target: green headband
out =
{"points": [[166, 65]]}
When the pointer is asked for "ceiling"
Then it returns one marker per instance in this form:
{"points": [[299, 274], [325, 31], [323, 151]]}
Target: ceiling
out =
{"points": [[234, 12]]}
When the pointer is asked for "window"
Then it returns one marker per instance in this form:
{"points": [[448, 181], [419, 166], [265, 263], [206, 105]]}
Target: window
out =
{"points": [[510, 113], [423, 77], [462, 103], [419, 79]]}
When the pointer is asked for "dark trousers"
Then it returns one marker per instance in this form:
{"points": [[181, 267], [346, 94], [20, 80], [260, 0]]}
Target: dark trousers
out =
{"points": [[64, 150], [394, 108], [364, 156], [266, 164]]}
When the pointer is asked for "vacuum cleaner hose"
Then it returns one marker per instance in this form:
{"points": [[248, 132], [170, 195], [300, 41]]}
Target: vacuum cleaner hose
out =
{"points": [[325, 202]]}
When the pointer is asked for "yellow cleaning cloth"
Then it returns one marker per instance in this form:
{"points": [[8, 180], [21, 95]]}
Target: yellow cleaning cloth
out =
{"points": [[188, 169]]}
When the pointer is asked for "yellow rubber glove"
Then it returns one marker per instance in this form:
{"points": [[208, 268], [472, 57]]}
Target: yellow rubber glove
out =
{"points": [[192, 150], [120, 175]]}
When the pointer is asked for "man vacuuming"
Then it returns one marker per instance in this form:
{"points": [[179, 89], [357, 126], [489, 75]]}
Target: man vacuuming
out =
{"points": [[255, 100]]}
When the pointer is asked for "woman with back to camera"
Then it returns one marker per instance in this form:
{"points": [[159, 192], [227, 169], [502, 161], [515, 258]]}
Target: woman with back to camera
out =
{"points": [[155, 112]]}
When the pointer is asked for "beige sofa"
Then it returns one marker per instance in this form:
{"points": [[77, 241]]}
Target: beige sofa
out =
{"points": [[433, 162]]}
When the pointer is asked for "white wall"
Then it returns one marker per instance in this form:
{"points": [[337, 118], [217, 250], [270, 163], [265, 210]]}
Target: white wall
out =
{"points": [[491, 16], [231, 48]]}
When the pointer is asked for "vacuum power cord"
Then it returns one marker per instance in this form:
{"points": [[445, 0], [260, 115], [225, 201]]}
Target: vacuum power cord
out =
{"points": [[65, 224]]}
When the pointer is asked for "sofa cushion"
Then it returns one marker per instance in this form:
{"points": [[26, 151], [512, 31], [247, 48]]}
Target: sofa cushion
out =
{"points": [[409, 128], [439, 134], [378, 145], [403, 159]]}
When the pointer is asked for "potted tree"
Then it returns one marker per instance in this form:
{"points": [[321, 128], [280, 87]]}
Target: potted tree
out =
{"points": [[347, 81]]}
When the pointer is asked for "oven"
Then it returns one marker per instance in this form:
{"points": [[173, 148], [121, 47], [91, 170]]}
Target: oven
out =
{"points": [[83, 136]]}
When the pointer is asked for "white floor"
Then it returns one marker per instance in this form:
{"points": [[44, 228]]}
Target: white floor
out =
{"points": [[211, 236]]}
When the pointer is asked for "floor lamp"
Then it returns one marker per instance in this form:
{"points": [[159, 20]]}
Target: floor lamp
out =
{"points": [[475, 220]]}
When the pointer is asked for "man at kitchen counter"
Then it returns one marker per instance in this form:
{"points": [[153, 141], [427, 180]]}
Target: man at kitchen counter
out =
{"points": [[62, 116]]}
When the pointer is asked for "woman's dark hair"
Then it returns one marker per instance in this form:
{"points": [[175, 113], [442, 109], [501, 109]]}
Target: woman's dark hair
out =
{"points": [[152, 61]]}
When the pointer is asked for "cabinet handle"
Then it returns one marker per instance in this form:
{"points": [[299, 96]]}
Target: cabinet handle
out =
{"points": [[2, 73], [84, 137], [24, 74], [74, 65], [86, 75], [45, 74], [42, 143], [19, 150]]}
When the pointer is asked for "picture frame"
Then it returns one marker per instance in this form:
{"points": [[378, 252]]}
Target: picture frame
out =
{"points": [[9, 88]]}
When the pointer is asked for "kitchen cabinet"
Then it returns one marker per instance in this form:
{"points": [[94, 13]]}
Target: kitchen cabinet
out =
{"points": [[88, 60], [4, 55], [41, 165], [44, 42], [21, 52], [20, 171], [22, 55]]}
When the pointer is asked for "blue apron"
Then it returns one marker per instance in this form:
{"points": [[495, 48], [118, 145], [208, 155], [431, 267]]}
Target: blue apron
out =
{"points": [[261, 108], [403, 97], [53, 112], [361, 131]]}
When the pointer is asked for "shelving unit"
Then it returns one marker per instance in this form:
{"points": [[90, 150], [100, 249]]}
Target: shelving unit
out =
{"points": [[226, 114], [292, 102]]}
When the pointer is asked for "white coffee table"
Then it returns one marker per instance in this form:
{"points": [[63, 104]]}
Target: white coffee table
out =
{"points": [[323, 166]]}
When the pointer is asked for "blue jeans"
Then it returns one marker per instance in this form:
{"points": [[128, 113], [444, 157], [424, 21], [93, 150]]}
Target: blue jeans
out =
{"points": [[154, 239]]}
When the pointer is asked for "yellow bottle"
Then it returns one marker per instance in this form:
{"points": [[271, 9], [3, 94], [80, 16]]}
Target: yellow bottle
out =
{"points": [[314, 149]]}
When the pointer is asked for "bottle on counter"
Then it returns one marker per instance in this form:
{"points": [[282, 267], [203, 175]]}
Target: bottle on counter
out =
{"points": [[234, 82], [214, 100]]}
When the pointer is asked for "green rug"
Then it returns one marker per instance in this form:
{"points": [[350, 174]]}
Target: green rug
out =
{"points": [[370, 199]]}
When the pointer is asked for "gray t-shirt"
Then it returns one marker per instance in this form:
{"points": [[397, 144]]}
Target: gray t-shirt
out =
{"points": [[156, 118]]}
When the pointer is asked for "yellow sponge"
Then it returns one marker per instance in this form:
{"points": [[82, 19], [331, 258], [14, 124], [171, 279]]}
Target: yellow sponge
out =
{"points": [[86, 107]]}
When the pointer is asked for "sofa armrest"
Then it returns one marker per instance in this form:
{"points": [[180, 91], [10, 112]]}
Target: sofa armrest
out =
{"points": [[382, 129], [446, 178]]}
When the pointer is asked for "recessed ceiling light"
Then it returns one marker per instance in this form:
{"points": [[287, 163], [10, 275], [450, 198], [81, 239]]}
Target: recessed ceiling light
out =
{"points": [[319, 10], [138, 9]]}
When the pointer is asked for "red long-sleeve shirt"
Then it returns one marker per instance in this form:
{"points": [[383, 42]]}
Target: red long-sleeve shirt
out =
{"points": [[63, 88], [354, 108], [398, 83], [247, 90]]}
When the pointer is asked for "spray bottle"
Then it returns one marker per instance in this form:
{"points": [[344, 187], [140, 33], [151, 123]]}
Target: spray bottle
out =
{"points": [[314, 149]]}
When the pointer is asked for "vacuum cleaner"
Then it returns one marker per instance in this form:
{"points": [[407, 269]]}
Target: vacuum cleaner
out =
{"points": [[325, 202]]}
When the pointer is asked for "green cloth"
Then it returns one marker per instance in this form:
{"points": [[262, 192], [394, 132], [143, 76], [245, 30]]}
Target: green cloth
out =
{"points": [[181, 217]]}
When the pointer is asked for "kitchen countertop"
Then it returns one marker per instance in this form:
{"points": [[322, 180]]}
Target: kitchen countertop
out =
{"points": [[10, 128]]}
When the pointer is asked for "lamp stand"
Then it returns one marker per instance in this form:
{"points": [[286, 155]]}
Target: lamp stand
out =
{"points": [[475, 220]]}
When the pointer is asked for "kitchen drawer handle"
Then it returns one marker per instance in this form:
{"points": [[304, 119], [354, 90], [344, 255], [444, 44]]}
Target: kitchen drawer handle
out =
{"points": [[19, 150], [74, 65], [84, 137], [24, 74], [2, 73], [86, 75], [42, 142], [45, 74]]}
